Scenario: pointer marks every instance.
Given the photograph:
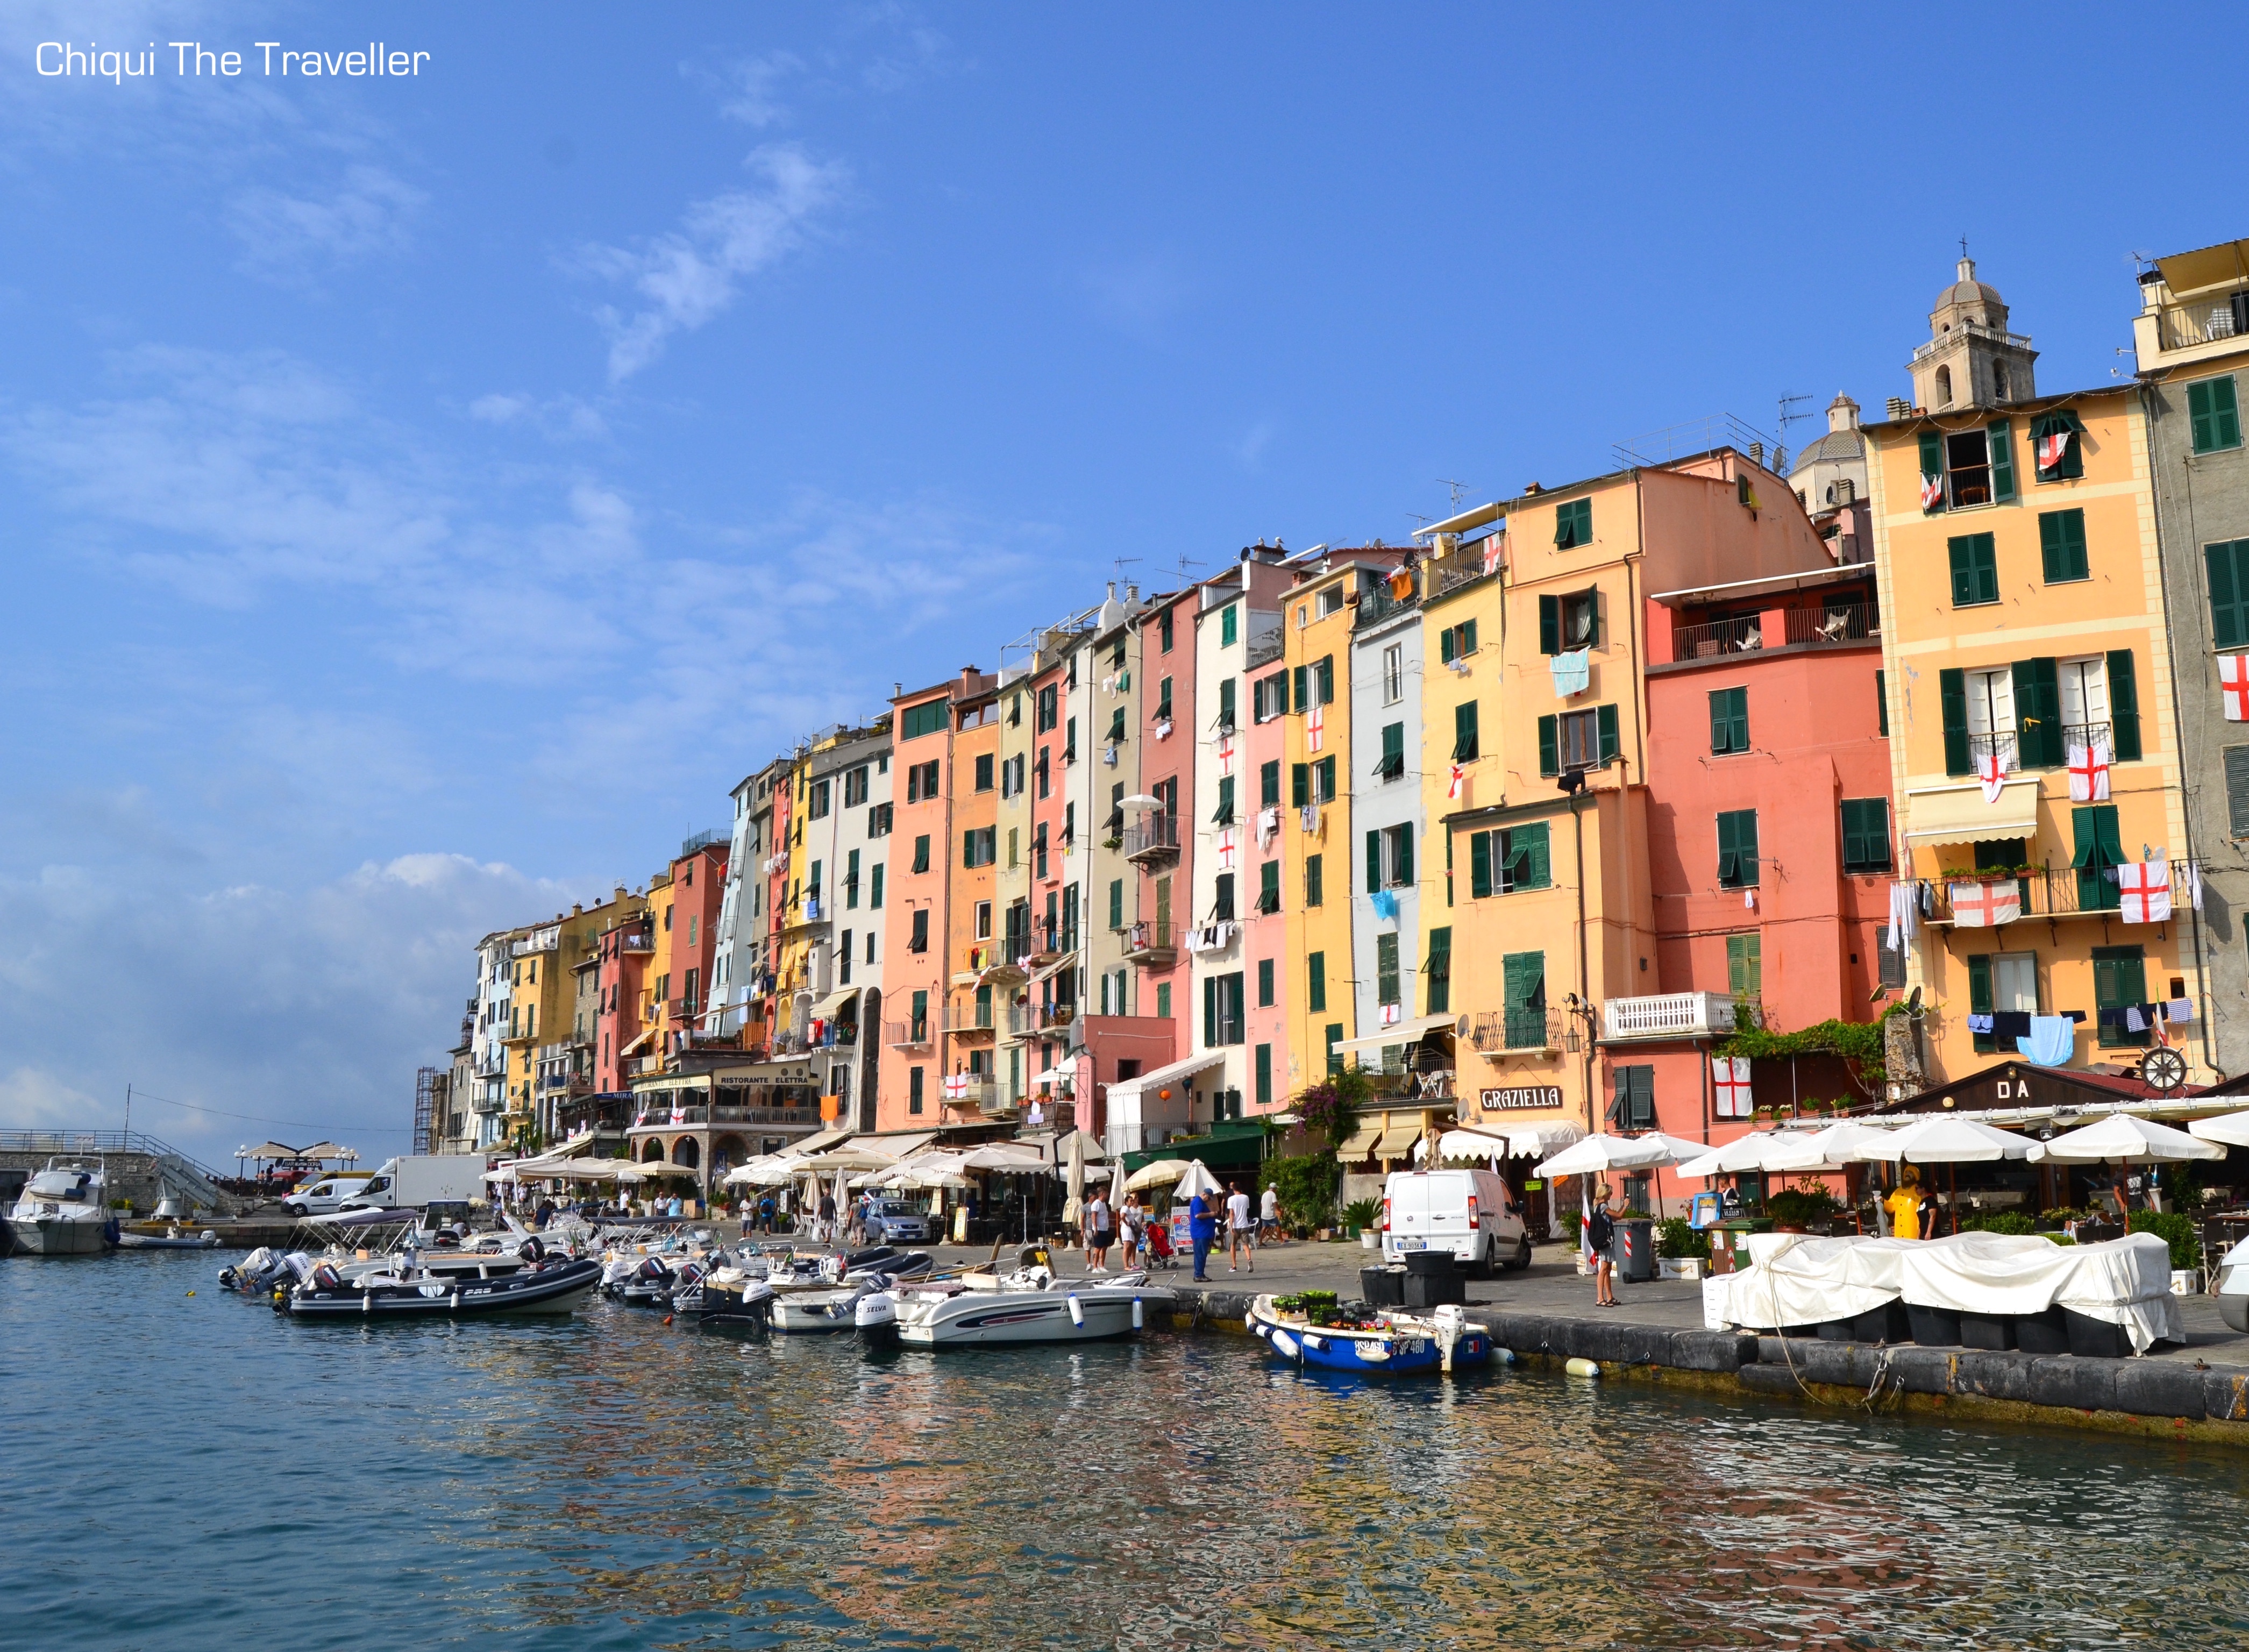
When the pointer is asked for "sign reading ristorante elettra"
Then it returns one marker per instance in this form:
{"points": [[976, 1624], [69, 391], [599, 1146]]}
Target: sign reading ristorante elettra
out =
{"points": [[1521, 1099]]}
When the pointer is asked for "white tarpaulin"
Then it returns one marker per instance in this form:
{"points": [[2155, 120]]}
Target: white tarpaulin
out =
{"points": [[1797, 1281]]}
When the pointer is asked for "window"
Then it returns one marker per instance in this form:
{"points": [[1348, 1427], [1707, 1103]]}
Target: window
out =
{"points": [[1323, 675], [983, 920], [1223, 815], [1265, 983], [1882, 705], [1569, 622], [1221, 1009], [1268, 887], [1070, 741], [1039, 850], [984, 773], [1164, 636], [1890, 966], [1393, 673], [878, 821], [1385, 970], [921, 781], [1392, 763], [1974, 571], [855, 787], [1049, 711], [1737, 848], [1228, 624], [1221, 906], [2061, 546], [1389, 857], [1522, 986], [918, 940], [1334, 1037], [1046, 783], [1331, 600], [1163, 700], [812, 884], [1264, 1076], [1456, 642], [2060, 456], [921, 853], [2100, 848], [1632, 1105], [1070, 918], [928, 717], [874, 896], [2236, 759], [1503, 862], [2120, 979], [978, 845], [1573, 525], [1867, 834], [1437, 972], [2214, 415], [913, 1089], [1744, 965], [1316, 982], [1730, 722], [1268, 697], [816, 805], [2001, 983], [1226, 702], [1576, 739], [2228, 564], [1164, 987], [2084, 703], [1268, 784], [1314, 895], [1465, 738], [1116, 903]]}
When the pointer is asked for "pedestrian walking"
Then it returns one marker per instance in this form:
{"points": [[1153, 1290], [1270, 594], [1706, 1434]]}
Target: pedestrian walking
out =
{"points": [[1202, 1229], [1241, 1232], [1098, 1234], [1269, 1215], [1129, 1221], [826, 1216], [766, 1214], [1600, 1232]]}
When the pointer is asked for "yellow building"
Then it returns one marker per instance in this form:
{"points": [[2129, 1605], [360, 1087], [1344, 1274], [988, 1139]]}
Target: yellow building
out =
{"points": [[2028, 698], [1317, 863]]}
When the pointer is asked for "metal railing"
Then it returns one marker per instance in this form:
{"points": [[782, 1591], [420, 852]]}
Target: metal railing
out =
{"points": [[58, 1142], [1999, 743], [1718, 636], [1836, 623], [902, 1033], [2085, 734], [1379, 604], [1149, 937], [1153, 836], [2181, 326], [1460, 571]]}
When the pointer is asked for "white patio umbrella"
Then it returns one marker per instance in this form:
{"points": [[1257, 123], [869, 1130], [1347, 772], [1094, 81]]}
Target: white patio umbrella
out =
{"points": [[1157, 1172], [1076, 1172], [1597, 1154], [2124, 1137], [1946, 1139], [1196, 1180], [1761, 1150], [2231, 1128]]}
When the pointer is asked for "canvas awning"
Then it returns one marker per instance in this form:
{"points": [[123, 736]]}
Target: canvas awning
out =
{"points": [[1959, 815], [637, 1042], [826, 1009], [1398, 1138], [817, 1141], [1402, 1032], [1358, 1144], [1057, 1074], [1148, 1082], [1045, 970], [2186, 272]]}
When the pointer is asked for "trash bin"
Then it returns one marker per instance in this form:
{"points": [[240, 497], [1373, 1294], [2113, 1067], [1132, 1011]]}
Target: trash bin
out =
{"points": [[1432, 1279], [1430, 1262], [1383, 1287], [1635, 1250]]}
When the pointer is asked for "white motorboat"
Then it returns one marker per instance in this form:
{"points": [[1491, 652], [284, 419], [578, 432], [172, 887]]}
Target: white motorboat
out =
{"points": [[795, 1312], [63, 1212], [1030, 1306], [173, 1238]]}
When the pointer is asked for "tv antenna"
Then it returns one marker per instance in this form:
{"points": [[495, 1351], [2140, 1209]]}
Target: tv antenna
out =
{"points": [[1186, 562], [1119, 562], [1460, 491]]}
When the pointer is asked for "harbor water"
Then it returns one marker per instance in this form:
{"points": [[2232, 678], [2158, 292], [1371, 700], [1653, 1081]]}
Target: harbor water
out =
{"points": [[192, 1471]]}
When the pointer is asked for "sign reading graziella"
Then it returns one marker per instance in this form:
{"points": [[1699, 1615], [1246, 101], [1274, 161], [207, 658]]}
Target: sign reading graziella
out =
{"points": [[1521, 1098]]}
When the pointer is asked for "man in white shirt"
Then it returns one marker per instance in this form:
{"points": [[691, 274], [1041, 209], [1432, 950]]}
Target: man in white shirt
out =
{"points": [[1268, 1214], [1097, 1234], [1242, 1231]]}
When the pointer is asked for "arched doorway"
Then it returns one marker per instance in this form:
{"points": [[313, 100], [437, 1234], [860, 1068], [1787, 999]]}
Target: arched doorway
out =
{"points": [[726, 1152], [652, 1152], [685, 1154]]}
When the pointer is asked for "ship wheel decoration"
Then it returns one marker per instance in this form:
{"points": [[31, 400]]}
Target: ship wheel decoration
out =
{"points": [[2163, 1070]]}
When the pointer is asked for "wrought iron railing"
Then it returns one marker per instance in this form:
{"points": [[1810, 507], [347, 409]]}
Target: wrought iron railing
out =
{"points": [[1836, 623], [1718, 636]]}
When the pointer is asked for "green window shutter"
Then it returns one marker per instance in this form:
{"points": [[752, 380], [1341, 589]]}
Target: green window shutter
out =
{"points": [[2123, 706], [1932, 464], [1265, 1074], [2119, 977], [1299, 676], [1209, 1010], [1536, 870], [1881, 704], [1465, 732], [1334, 1037], [1952, 699], [2038, 713], [1117, 903], [1268, 784], [1468, 637], [2003, 462], [1299, 781], [1550, 747], [2228, 567], [1225, 698], [1854, 837], [1606, 720], [1268, 880], [1979, 996], [1437, 972], [1550, 625], [1227, 622], [1479, 864], [1445, 646], [1327, 679], [2092, 827], [1316, 982], [1404, 867], [1741, 719], [1327, 780], [1722, 725], [1373, 862], [2215, 414], [1393, 744], [1315, 881], [1974, 571], [2061, 546]]}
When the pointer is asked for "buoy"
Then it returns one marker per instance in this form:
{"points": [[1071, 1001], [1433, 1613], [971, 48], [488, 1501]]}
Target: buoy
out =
{"points": [[1501, 1356], [1583, 1369], [191, 1293], [667, 1318], [1077, 1310]]}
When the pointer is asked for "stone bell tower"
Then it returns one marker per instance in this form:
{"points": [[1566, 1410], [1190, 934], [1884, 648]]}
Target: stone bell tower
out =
{"points": [[1970, 361]]}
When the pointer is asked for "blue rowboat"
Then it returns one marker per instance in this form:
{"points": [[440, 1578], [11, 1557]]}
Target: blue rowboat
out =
{"points": [[1379, 1343]]}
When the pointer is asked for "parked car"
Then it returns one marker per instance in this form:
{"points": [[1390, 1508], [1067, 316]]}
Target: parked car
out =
{"points": [[891, 1222], [1469, 1213], [326, 1196]]}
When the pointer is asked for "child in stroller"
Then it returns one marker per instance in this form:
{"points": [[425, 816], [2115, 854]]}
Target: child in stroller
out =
{"points": [[1159, 1245]]}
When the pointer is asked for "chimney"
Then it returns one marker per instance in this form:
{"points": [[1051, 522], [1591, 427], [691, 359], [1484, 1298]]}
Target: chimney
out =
{"points": [[1756, 453], [1899, 407], [620, 895]]}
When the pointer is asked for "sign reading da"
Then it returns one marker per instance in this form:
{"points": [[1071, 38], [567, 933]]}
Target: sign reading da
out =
{"points": [[1522, 1098]]}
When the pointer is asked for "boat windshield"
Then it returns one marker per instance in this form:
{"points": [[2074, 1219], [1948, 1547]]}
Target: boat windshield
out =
{"points": [[56, 1184]]}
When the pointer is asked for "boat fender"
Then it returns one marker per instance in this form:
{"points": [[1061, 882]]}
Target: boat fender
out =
{"points": [[366, 1300], [1501, 1356], [1077, 1310], [1313, 1342], [1139, 1319], [456, 1301], [1285, 1343], [1583, 1369]]}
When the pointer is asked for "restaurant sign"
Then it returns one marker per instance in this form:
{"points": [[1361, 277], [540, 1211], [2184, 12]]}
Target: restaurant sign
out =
{"points": [[1522, 1098]]}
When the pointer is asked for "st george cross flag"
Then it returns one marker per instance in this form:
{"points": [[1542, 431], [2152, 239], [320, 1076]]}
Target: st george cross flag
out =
{"points": [[2233, 687], [1932, 493], [1991, 769], [1316, 724], [2051, 450], [2088, 772], [1494, 548], [1453, 789], [2146, 886], [1226, 847], [956, 1086], [1730, 1077], [1226, 752], [1987, 905]]}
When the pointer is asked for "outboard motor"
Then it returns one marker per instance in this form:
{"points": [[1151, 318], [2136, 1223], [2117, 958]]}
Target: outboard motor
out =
{"points": [[327, 1277]]}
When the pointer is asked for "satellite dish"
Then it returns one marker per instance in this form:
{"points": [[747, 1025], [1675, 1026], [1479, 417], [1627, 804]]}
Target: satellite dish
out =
{"points": [[1461, 1028]]}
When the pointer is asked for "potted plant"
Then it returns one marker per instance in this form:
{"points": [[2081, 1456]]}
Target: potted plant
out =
{"points": [[1681, 1251]]}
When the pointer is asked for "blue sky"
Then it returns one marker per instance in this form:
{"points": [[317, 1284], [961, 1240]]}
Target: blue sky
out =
{"points": [[424, 497]]}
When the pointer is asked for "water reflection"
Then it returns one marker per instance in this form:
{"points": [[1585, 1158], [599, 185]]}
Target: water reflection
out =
{"points": [[617, 1482]]}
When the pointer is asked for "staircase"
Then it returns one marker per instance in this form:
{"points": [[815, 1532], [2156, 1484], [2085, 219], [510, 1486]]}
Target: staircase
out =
{"points": [[141, 1168]]}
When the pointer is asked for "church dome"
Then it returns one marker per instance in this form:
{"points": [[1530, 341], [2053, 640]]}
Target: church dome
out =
{"points": [[1968, 291]]}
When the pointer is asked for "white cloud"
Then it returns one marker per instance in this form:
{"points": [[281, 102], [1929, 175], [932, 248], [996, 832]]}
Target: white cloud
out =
{"points": [[686, 279], [287, 236], [33, 1098], [556, 417], [754, 82]]}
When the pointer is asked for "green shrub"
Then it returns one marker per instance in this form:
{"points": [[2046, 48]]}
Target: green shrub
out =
{"points": [[1802, 1205], [1999, 1221], [2176, 1228], [1307, 1187], [1361, 1213], [1674, 1237]]}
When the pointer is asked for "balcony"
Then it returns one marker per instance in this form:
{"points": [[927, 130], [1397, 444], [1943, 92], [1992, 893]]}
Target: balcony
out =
{"points": [[1153, 841], [1836, 623], [636, 940], [1379, 605], [907, 1035], [2055, 893], [1999, 742], [1666, 1016], [1153, 946], [1738, 636], [2219, 319]]}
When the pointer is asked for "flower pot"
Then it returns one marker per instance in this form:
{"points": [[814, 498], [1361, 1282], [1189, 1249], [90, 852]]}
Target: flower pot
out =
{"points": [[1679, 1267], [1369, 1239]]}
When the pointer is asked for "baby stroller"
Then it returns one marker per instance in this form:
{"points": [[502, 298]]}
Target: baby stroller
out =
{"points": [[1160, 1246]]}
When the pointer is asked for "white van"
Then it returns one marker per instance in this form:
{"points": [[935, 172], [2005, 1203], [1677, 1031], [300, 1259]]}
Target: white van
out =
{"points": [[324, 1195], [1466, 1212]]}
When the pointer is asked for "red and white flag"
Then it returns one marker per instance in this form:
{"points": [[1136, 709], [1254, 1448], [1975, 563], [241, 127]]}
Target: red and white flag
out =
{"points": [[1226, 847], [1991, 769], [1226, 751], [1932, 493], [2088, 772], [1987, 905], [1730, 1077], [2146, 886], [1316, 723], [2233, 687], [956, 1086], [2051, 450], [1495, 551], [1453, 788]]}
